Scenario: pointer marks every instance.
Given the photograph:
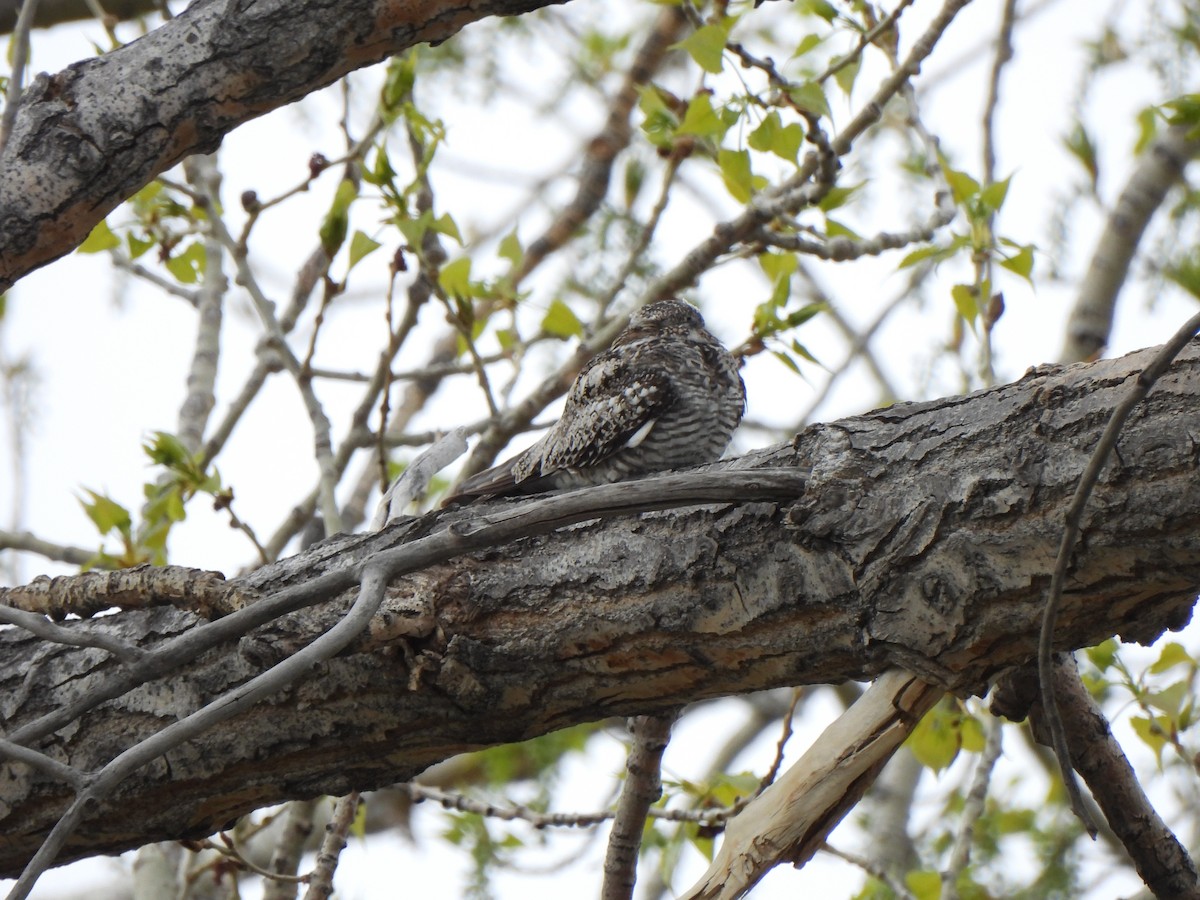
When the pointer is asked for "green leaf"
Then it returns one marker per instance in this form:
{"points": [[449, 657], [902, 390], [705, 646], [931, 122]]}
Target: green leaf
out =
{"points": [[1184, 110], [834, 228], [634, 178], [786, 360], [810, 97], [706, 46], [1185, 272], [510, 248], [936, 740], [965, 303], [1103, 654], [1173, 654], [973, 738], [1080, 145], [1152, 733], [807, 44], [921, 255], [762, 137], [658, 117], [962, 185], [445, 225], [1170, 699], [1147, 121], [992, 196], [380, 171], [337, 221], [360, 246], [455, 277], [778, 266], [100, 239], [106, 514], [167, 450], [700, 119], [398, 84], [137, 246], [775, 137], [735, 170], [822, 8], [1020, 262], [561, 321], [924, 885], [846, 75], [187, 266], [358, 827], [837, 196], [801, 350]]}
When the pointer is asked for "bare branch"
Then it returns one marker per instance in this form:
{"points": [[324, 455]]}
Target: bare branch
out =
{"points": [[203, 173], [47, 630], [30, 543], [973, 806], [643, 786], [321, 885]]}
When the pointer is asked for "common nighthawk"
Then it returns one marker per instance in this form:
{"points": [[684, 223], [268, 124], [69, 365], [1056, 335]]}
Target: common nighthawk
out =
{"points": [[665, 395]]}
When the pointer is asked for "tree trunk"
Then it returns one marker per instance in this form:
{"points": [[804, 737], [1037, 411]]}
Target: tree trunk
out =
{"points": [[924, 539]]}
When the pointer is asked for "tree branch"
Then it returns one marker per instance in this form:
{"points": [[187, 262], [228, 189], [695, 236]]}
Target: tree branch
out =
{"points": [[923, 540], [91, 135]]}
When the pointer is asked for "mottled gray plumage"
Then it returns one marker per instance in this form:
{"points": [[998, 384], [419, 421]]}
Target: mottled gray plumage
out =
{"points": [[665, 395]]}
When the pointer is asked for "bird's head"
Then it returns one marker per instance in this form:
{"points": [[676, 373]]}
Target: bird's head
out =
{"points": [[672, 317]]}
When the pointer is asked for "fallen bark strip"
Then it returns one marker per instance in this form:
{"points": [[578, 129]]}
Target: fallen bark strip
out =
{"points": [[923, 540]]}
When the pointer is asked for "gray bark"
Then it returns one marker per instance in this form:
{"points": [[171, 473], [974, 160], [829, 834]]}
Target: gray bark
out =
{"points": [[924, 540], [91, 135]]}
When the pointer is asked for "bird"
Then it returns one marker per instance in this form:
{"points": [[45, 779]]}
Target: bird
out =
{"points": [[666, 395]]}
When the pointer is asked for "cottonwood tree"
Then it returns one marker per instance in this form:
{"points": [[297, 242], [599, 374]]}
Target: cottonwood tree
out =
{"points": [[786, 166]]}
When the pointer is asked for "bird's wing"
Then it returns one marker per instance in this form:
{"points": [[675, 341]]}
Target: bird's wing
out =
{"points": [[612, 405]]}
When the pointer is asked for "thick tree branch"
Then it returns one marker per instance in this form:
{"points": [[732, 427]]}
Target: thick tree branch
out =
{"points": [[923, 540], [91, 135]]}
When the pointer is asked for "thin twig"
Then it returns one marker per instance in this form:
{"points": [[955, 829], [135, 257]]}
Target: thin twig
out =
{"points": [[42, 763], [973, 807], [871, 868], [31, 543], [321, 880], [72, 637]]}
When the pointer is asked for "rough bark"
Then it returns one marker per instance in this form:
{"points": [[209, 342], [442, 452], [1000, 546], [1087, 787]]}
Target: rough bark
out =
{"points": [[91, 135], [923, 540]]}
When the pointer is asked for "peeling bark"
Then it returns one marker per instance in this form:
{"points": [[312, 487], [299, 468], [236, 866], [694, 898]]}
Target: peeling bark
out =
{"points": [[91, 135], [924, 540]]}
